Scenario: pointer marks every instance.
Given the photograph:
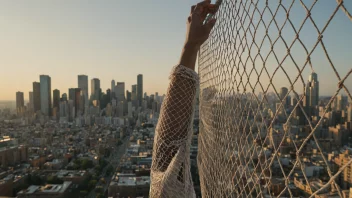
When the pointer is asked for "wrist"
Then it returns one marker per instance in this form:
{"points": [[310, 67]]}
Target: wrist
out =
{"points": [[189, 55], [189, 46]]}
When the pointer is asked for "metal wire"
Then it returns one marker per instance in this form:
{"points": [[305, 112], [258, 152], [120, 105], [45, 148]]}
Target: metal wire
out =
{"points": [[255, 142]]}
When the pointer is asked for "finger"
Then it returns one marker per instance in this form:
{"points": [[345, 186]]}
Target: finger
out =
{"points": [[204, 3], [200, 6], [193, 8], [212, 8], [205, 9], [209, 26]]}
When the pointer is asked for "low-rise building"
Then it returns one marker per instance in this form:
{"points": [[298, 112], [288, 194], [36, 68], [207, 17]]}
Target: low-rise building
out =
{"points": [[47, 191], [129, 185]]}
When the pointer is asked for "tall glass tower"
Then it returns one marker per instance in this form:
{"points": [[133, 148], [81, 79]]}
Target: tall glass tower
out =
{"points": [[140, 89], [45, 94]]}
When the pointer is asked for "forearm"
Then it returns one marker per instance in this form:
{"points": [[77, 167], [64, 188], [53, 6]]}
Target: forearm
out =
{"points": [[175, 116], [189, 55]]}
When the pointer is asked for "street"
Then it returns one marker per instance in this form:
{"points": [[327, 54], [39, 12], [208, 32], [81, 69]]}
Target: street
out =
{"points": [[113, 160]]}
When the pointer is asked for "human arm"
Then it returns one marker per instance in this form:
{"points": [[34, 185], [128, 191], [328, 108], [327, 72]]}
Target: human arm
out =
{"points": [[175, 120]]}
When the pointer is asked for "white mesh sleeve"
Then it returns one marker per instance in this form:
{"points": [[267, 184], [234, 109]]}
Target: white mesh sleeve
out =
{"points": [[170, 174]]}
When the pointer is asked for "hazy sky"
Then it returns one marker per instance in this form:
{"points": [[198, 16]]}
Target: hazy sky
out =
{"points": [[115, 39], [110, 39]]}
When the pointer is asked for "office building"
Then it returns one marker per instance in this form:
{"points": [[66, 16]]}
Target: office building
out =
{"points": [[63, 109], [36, 96], [312, 94], [45, 94], [77, 100], [108, 95], [134, 96], [157, 96], [112, 89], [56, 98], [83, 84], [128, 96], [72, 94], [31, 102], [48, 191], [349, 113], [64, 97], [129, 107], [95, 89], [140, 89], [120, 91], [19, 102], [120, 109], [312, 91], [75, 95], [282, 95], [134, 92]]}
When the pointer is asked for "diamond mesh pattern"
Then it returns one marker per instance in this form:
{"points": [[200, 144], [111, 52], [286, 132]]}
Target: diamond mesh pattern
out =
{"points": [[258, 138], [170, 172]]}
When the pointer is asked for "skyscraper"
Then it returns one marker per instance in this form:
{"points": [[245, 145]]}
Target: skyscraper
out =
{"points": [[312, 94], [140, 89], [120, 91], [312, 90], [134, 95], [64, 97], [31, 102], [128, 96], [157, 96], [83, 100], [56, 99], [134, 92], [45, 94], [36, 96], [340, 102], [72, 94], [19, 102], [83, 84], [112, 89], [283, 93], [77, 101], [349, 113], [95, 89]]}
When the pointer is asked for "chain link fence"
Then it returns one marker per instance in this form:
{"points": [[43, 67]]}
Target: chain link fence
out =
{"points": [[275, 101]]}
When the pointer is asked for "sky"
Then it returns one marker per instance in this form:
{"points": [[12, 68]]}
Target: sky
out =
{"points": [[115, 39], [109, 39]]}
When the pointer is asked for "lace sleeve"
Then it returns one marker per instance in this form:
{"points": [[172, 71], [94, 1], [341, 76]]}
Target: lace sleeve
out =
{"points": [[173, 135]]}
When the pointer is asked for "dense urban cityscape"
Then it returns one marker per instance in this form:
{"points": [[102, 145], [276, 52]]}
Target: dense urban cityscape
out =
{"points": [[73, 145], [78, 145]]}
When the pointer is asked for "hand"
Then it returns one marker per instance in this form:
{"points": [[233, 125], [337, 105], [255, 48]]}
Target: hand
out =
{"points": [[197, 32]]}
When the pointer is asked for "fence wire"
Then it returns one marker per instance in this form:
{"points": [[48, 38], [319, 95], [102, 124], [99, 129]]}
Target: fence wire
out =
{"points": [[275, 101]]}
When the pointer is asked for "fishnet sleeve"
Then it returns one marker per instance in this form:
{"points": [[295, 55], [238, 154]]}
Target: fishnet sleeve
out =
{"points": [[170, 173]]}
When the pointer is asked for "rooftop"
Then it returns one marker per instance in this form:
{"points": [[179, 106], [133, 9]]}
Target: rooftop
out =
{"points": [[130, 180], [49, 188]]}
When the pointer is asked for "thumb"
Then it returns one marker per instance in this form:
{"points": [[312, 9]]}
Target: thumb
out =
{"points": [[209, 26]]}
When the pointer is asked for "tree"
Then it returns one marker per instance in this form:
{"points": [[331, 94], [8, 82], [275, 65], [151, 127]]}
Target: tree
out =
{"points": [[92, 183], [98, 169], [100, 195], [83, 192], [109, 170], [99, 189], [85, 164], [103, 162]]}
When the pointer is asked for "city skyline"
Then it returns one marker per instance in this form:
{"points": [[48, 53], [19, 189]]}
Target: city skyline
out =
{"points": [[38, 40], [79, 85]]}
